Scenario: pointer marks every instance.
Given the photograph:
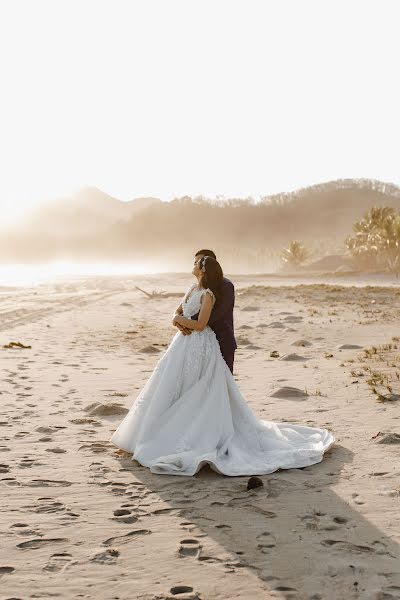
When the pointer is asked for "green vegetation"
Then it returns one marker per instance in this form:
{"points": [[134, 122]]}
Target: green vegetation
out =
{"points": [[295, 254], [375, 243]]}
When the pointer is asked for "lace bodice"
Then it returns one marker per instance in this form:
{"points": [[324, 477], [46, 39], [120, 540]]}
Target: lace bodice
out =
{"points": [[192, 304]]}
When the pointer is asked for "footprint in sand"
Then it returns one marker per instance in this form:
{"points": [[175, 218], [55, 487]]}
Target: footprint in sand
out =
{"points": [[46, 505], [319, 521], [293, 319], [386, 437], [109, 556], [4, 468], [340, 520], [26, 463], [96, 447], [284, 588], [25, 529], [266, 541], [48, 483], [185, 592], [166, 511], [85, 421], [189, 547], [128, 537], [6, 571], [19, 525], [124, 515], [58, 562], [118, 488], [22, 434], [40, 542], [10, 481], [343, 546]]}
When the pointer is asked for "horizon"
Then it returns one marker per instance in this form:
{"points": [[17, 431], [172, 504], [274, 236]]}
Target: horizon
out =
{"points": [[220, 198]]}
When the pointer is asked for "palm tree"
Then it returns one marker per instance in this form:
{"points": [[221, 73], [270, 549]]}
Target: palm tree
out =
{"points": [[376, 242], [295, 254], [391, 243]]}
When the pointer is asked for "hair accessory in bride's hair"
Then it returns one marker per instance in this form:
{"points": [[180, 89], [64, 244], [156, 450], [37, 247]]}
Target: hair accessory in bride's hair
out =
{"points": [[203, 268]]}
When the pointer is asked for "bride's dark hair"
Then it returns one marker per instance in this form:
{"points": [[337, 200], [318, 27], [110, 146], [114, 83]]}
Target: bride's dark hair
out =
{"points": [[212, 275]]}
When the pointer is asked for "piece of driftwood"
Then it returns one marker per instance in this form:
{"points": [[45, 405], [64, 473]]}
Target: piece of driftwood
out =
{"points": [[16, 345], [152, 295]]}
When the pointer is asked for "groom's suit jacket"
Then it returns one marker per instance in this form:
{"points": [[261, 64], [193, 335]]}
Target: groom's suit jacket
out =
{"points": [[221, 321]]}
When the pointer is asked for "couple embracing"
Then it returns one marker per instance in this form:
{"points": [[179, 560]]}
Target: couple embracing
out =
{"points": [[191, 411]]}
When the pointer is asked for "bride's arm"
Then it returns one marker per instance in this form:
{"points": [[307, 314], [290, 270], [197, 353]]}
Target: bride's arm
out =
{"points": [[179, 310], [205, 312]]}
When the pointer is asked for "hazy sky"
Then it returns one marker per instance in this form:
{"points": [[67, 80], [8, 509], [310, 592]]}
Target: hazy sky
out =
{"points": [[214, 97]]}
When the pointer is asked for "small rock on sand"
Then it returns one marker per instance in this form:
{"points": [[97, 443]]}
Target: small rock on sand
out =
{"points": [[349, 347], [303, 343], [294, 357], [105, 410], [387, 437], [243, 341], [254, 482], [44, 429], [149, 350], [391, 397]]}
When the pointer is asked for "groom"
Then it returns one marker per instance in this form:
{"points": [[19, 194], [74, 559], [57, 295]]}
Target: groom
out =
{"points": [[221, 319]]}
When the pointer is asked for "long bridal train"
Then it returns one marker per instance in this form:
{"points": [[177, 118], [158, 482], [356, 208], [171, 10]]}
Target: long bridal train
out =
{"points": [[191, 412]]}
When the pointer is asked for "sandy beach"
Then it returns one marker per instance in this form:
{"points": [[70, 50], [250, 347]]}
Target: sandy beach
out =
{"points": [[80, 519]]}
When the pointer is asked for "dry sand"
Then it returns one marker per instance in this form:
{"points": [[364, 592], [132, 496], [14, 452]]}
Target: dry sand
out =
{"points": [[80, 519]]}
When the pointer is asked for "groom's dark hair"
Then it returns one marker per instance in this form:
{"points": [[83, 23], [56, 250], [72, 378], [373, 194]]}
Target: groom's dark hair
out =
{"points": [[206, 253]]}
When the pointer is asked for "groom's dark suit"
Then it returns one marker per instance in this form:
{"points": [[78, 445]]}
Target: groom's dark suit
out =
{"points": [[221, 322]]}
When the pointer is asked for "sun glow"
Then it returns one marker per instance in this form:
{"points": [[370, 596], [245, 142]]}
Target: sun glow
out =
{"points": [[23, 275], [176, 98]]}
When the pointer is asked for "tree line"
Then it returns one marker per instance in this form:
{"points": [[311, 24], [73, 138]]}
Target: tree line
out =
{"points": [[373, 245]]}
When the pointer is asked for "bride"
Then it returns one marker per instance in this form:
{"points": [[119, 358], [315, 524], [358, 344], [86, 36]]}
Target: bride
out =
{"points": [[191, 411]]}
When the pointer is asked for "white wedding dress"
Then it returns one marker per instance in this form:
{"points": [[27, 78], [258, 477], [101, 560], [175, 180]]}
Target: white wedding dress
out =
{"points": [[191, 412]]}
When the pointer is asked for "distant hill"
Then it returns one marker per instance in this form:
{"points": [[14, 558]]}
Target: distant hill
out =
{"points": [[245, 235], [88, 209]]}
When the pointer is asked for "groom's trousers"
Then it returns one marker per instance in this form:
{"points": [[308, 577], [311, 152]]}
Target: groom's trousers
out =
{"points": [[229, 357]]}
